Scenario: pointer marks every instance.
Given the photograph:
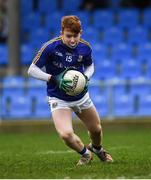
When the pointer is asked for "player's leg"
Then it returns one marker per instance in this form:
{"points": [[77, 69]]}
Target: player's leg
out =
{"points": [[63, 123], [91, 120]]}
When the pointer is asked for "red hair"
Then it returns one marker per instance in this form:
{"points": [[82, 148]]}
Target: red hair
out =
{"points": [[71, 22]]}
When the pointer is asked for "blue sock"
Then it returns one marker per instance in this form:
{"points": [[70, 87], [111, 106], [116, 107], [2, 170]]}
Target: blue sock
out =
{"points": [[83, 151], [97, 147]]}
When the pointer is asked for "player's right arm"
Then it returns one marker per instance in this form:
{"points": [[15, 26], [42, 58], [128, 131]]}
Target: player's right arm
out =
{"points": [[40, 60], [37, 73], [35, 70]]}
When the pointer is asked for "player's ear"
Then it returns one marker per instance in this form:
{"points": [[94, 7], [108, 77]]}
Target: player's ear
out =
{"points": [[81, 31]]}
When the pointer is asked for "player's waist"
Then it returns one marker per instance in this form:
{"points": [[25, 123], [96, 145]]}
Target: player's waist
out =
{"points": [[61, 95]]}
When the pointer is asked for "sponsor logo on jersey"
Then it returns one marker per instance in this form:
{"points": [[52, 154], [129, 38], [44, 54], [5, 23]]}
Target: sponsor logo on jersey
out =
{"points": [[54, 104], [58, 64], [69, 54]]}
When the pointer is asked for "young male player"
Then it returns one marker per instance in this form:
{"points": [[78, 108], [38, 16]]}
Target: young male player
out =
{"points": [[57, 55]]}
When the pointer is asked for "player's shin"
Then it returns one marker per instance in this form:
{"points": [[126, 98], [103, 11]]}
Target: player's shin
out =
{"points": [[72, 141], [96, 136]]}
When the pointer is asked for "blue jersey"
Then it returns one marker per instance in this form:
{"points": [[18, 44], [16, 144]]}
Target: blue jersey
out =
{"points": [[55, 56]]}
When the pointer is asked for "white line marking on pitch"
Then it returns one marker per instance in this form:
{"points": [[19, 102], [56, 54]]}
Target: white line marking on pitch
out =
{"points": [[56, 152], [71, 151], [121, 147]]}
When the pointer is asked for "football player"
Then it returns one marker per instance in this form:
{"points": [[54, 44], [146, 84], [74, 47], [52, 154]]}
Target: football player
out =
{"points": [[58, 55]]}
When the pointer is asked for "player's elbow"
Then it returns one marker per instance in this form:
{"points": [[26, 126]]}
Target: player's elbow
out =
{"points": [[29, 72]]}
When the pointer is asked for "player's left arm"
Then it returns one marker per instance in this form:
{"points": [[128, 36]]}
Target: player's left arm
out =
{"points": [[88, 64], [89, 70]]}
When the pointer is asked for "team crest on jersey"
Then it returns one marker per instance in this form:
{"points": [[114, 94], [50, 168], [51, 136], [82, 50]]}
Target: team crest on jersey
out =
{"points": [[54, 105], [80, 58]]}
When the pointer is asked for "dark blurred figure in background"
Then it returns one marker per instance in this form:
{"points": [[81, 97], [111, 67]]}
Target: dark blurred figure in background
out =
{"points": [[91, 5], [3, 21], [136, 3]]}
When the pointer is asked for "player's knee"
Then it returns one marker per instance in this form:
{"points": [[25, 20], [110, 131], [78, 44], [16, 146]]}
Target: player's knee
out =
{"points": [[96, 130], [99, 129], [66, 135]]}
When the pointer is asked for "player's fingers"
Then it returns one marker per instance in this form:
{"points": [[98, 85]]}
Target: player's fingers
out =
{"points": [[66, 87], [63, 88], [67, 81]]}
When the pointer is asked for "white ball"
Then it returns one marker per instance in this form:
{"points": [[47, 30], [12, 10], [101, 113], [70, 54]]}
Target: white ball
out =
{"points": [[78, 82]]}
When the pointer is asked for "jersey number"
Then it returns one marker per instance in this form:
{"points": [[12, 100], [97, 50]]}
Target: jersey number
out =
{"points": [[69, 58]]}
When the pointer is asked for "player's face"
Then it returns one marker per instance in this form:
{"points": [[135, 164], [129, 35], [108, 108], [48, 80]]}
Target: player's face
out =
{"points": [[70, 39]]}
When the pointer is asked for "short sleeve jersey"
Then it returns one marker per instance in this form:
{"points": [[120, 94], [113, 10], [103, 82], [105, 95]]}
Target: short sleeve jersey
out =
{"points": [[55, 56]]}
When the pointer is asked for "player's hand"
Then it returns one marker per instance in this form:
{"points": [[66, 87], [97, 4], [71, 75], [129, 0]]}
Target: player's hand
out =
{"points": [[63, 84], [86, 84]]}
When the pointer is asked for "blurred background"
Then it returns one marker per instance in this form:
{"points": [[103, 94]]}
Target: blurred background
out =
{"points": [[119, 32]]}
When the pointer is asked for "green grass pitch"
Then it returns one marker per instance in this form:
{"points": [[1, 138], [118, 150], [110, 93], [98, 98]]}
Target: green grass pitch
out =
{"points": [[43, 155]]}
